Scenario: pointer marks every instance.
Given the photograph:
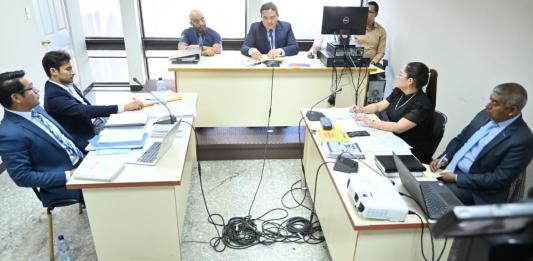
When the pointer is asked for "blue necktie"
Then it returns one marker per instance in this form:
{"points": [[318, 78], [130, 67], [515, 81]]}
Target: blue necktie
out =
{"points": [[474, 139], [65, 142], [272, 45]]}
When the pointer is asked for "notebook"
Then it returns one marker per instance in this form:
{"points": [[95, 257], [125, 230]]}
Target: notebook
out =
{"points": [[388, 167], [97, 169], [433, 196], [152, 152], [127, 119]]}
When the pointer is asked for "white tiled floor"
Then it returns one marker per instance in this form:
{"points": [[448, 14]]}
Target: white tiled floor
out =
{"points": [[229, 188]]}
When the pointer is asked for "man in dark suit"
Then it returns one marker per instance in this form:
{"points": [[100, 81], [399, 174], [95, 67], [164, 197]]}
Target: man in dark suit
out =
{"points": [[36, 150], [66, 103], [270, 36], [490, 153]]}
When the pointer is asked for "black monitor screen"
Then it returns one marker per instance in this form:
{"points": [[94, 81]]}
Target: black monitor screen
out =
{"points": [[344, 20]]}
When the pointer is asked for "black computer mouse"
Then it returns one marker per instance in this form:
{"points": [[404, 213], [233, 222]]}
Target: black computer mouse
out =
{"points": [[272, 63], [310, 56]]}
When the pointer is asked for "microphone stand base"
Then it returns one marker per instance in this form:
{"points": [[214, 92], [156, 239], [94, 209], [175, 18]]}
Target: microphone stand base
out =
{"points": [[166, 120]]}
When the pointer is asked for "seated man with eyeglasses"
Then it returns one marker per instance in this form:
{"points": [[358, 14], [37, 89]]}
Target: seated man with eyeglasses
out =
{"points": [[36, 150]]}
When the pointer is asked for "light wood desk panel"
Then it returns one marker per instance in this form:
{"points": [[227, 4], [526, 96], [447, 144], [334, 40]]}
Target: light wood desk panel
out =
{"points": [[140, 214], [234, 95], [349, 236]]}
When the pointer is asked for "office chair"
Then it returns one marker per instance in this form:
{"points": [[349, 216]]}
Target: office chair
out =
{"points": [[516, 191], [49, 208], [375, 88], [439, 124]]}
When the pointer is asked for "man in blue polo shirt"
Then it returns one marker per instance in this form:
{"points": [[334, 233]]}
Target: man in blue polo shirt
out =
{"points": [[200, 36]]}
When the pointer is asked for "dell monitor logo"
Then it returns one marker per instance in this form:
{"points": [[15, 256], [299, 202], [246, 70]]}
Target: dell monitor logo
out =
{"points": [[346, 20]]}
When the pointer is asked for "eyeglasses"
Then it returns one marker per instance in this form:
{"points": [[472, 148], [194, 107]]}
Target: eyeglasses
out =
{"points": [[403, 74], [27, 89]]}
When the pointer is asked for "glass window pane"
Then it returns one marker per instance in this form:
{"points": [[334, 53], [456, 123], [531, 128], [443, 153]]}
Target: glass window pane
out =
{"points": [[307, 26], [101, 18], [157, 62], [168, 18], [108, 66]]}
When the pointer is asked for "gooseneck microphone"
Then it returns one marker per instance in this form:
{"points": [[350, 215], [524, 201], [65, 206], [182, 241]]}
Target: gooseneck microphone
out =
{"points": [[171, 119], [316, 115]]}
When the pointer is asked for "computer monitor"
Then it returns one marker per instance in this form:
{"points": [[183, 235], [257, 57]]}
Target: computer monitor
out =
{"points": [[349, 20]]}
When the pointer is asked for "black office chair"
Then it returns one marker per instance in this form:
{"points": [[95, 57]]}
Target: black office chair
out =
{"points": [[516, 191], [49, 208], [439, 124]]}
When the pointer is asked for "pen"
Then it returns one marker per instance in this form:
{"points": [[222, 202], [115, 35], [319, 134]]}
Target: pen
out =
{"points": [[443, 158]]}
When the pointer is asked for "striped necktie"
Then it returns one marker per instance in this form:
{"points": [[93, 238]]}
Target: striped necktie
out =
{"points": [[65, 142], [271, 36], [474, 139]]}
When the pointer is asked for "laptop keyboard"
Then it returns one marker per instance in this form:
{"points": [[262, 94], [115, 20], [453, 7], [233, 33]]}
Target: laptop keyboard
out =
{"points": [[150, 155], [434, 204]]}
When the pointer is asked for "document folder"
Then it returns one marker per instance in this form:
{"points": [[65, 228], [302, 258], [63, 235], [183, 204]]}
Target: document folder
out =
{"points": [[186, 56]]}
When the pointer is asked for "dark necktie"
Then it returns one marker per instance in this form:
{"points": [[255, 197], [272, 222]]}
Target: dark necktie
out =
{"points": [[271, 38]]}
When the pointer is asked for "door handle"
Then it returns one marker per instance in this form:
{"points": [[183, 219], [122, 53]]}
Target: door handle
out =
{"points": [[45, 42]]}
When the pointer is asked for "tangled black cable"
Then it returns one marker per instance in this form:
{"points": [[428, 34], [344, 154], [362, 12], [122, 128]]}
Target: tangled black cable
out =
{"points": [[245, 232], [422, 232]]}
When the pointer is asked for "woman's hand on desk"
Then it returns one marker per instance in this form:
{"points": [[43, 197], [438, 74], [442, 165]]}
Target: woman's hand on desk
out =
{"points": [[357, 109], [364, 118]]}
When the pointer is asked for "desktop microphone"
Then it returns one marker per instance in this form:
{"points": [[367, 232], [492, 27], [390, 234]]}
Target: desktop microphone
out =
{"points": [[316, 115], [171, 119]]}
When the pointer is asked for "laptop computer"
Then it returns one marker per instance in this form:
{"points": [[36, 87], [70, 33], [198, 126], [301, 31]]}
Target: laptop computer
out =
{"points": [[433, 196], [152, 152]]}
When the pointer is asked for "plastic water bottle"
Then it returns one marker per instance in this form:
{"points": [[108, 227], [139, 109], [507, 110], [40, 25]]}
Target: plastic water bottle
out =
{"points": [[63, 247], [161, 90]]}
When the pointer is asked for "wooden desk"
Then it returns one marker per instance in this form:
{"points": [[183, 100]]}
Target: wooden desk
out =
{"points": [[140, 214], [350, 236], [234, 95]]}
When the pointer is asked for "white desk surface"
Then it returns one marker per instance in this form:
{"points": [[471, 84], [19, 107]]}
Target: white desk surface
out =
{"points": [[340, 179], [168, 170], [233, 61]]}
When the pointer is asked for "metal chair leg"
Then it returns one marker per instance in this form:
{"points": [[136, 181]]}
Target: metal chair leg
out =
{"points": [[50, 236], [81, 207]]}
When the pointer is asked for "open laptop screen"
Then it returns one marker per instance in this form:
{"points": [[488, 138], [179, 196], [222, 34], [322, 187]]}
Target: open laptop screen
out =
{"points": [[409, 182]]}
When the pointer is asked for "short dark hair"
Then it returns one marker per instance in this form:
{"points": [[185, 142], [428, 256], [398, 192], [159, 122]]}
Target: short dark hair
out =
{"points": [[54, 59], [269, 6], [513, 93], [10, 83], [376, 6]]}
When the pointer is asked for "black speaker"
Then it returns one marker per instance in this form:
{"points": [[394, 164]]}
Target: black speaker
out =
{"points": [[376, 89]]}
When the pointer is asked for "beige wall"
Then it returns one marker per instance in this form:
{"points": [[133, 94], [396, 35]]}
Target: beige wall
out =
{"points": [[474, 45]]}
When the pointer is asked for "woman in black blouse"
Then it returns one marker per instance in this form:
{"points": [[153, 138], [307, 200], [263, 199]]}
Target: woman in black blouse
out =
{"points": [[409, 110]]}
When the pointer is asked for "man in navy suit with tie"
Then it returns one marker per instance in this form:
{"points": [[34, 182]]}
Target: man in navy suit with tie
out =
{"points": [[270, 36], [490, 153], [66, 103], [36, 150]]}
